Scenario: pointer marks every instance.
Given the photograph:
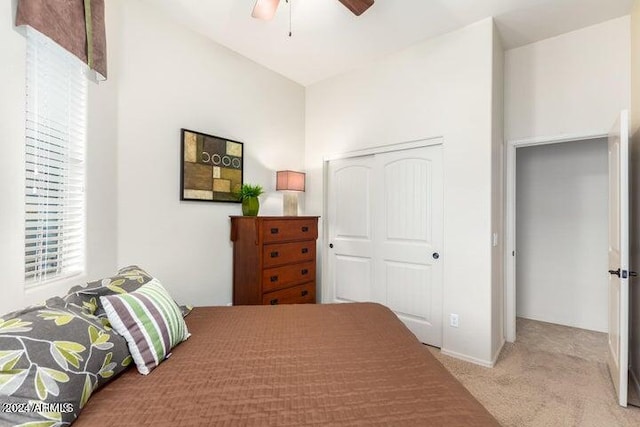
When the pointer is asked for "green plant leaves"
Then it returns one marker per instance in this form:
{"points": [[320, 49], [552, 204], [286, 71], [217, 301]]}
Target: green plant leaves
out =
{"points": [[127, 361], [86, 391], [107, 366], [105, 323], [136, 275], [14, 325], [55, 416], [115, 285], [248, 190], [60, 317], [46, 381], [40, 424], [9, 358], [65, 352], [54, 419], [11, 380], [99, 339], [91, 306]]}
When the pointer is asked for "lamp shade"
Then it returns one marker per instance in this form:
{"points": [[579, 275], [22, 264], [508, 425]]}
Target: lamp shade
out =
{"points": [[290, 181]]}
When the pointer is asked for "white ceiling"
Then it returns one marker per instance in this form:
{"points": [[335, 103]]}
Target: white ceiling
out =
{"points": [[329, 40]]}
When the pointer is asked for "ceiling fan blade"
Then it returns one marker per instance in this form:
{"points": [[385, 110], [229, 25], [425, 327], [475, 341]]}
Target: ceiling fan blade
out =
{"points": [[358, 7], [265, 9]]}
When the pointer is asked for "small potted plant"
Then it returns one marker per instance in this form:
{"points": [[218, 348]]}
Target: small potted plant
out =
{"points": [[249, 196]]}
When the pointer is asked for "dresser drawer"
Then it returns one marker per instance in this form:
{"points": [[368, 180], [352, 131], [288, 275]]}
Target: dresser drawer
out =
{"points": [[282, 230], [280, 277], [288, 253], [301, 294]]}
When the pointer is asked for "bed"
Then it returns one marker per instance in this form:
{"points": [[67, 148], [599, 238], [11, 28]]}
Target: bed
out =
{"points": [[290, 365]]}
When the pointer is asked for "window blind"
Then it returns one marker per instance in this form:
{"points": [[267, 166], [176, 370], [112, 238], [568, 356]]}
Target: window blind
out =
{"points": [[54, 161]]}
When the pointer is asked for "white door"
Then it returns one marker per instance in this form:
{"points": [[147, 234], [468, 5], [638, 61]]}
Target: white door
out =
{"points": [[409, 222], [351, 229], [386, 234], [619, 256]]}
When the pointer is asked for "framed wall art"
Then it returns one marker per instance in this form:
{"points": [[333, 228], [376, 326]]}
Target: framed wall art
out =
{"points": [[211, 168]]}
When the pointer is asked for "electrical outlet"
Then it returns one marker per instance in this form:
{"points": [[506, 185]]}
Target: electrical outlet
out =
{"points": [[453, 320]]}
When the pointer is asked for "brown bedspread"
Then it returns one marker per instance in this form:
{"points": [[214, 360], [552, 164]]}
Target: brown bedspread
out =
{"points": [[291, 365]]}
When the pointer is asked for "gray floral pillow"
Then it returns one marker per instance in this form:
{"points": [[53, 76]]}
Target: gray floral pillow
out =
{"points": [[128, 279], [52, 357]]}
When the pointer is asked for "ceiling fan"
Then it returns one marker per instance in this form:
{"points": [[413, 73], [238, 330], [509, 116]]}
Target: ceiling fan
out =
{"points": [[265, 9]]}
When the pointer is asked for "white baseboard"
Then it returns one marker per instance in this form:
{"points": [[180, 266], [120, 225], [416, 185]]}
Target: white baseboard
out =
{"points": [[481, 362], [495, 356]]}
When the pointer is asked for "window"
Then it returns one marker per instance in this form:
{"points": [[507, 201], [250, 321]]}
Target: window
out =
{"points": [[54, 161]]}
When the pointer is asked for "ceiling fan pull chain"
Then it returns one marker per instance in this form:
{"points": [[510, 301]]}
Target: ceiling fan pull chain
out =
{"points": [[290, 4]]}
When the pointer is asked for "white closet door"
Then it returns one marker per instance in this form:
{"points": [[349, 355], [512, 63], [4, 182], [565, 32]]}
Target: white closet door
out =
{"points": [[409, 238], [385, 226], [351, 229]]}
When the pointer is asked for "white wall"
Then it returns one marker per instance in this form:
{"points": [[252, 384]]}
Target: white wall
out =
{"points": [[101, 170], [173, 78], [440, 87], [561, 211], [575, 83], [497, 198], [635, 196]]}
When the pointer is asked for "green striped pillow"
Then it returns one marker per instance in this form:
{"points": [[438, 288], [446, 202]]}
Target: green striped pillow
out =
{"points": [[149, 320]]}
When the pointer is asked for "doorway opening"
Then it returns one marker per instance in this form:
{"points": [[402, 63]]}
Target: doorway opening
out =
{"points": [[566, 200], [562, 235], [556, 260]]}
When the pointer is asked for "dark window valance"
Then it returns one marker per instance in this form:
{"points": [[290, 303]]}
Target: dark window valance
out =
{"points": [[65, 22]]}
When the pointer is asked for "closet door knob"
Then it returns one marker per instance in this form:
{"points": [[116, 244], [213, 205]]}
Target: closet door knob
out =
{"points": [[435, 255]]}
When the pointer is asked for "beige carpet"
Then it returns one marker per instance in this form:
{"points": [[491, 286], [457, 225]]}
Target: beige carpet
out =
{"points": [[551, 376]]}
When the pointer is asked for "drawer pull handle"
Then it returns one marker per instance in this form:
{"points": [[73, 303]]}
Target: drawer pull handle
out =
{"points": [[275, 231], [305, 250], [273, 279], [305, 293], [304, 271], [274, 254], [305, 229], [274, 301]]}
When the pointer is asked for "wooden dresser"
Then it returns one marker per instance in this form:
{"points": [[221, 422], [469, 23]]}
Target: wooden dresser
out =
{"points": [[274, 259]]}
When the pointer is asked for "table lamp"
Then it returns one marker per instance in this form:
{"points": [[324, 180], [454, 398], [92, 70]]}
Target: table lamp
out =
{"points": [[291, 183]]}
